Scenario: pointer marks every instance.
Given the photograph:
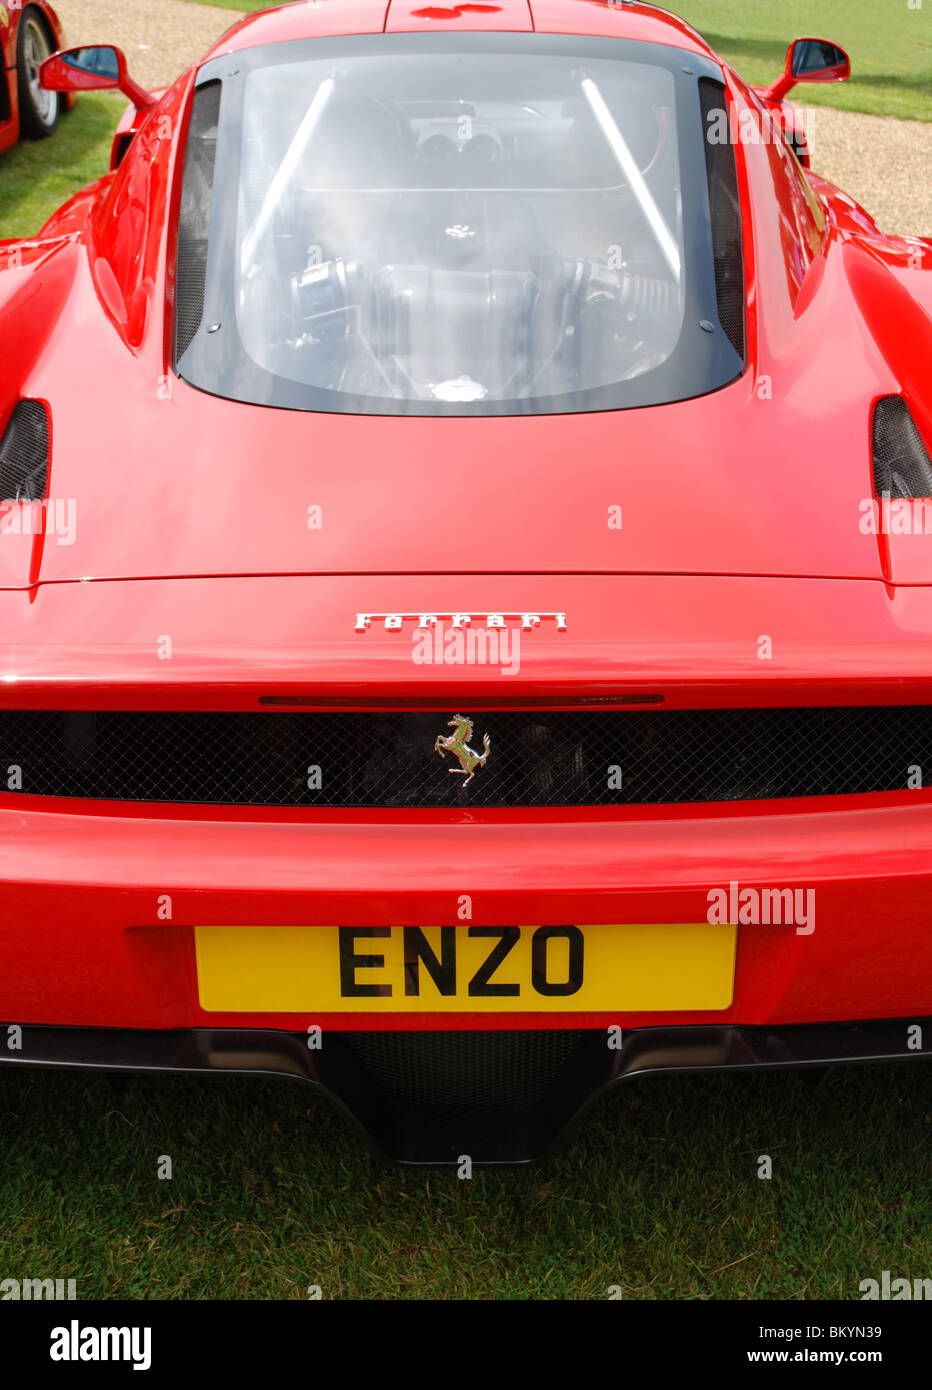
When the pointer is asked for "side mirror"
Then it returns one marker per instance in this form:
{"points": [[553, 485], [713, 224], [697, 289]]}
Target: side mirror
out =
{"points": [[97, 69], [810, 60]]}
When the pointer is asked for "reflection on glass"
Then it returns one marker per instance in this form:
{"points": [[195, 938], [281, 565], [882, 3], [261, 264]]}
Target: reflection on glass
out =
{"points": [[815, 55], [102, 62]]}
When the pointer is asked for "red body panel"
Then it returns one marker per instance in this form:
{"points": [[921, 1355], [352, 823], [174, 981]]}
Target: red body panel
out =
{"points": [[741, 519], [409, 15], [834, 642], [95, 952]]}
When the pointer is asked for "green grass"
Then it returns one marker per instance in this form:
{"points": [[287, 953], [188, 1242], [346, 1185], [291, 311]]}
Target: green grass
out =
{"points": [[890, 47], [37, 176], [659, 1193]]}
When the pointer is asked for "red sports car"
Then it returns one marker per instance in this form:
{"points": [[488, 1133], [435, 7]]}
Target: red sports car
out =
{"points": [[29, 33], [466, 568]]}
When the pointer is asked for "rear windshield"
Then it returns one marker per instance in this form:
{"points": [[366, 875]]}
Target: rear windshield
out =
{"points": [[420, 228]]}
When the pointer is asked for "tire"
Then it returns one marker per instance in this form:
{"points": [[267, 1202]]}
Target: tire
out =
{"points": [[38, 109]]}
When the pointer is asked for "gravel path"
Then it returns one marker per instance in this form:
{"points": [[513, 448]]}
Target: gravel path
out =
{"points": [[884, 163], [159, 37]]}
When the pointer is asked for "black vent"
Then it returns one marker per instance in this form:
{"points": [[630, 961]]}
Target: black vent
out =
{"points": [[432, 1097], [536, 758], [464, 1069], [194, 216], [24, 454], [725, 210], [902, 467]]}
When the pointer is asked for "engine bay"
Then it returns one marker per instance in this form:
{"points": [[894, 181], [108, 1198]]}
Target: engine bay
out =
{"points": [[452, 250]]}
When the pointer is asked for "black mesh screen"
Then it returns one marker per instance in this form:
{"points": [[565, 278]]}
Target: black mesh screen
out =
{"points": [[497, 1096], [902, 467], [725, 210], [24, 454], [536, 758], [462, 1068], [194, 216]]}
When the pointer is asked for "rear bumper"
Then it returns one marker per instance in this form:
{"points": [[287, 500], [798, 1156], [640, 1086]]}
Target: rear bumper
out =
{"points": [[398, 1114], [98, 908]]}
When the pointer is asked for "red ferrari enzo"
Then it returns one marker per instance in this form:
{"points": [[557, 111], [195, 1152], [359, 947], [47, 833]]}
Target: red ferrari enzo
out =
{"points": [[466, 567], [29, 33]]}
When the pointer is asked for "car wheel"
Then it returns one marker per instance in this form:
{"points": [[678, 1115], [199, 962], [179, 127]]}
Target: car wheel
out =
{"points": [[38, 109]]}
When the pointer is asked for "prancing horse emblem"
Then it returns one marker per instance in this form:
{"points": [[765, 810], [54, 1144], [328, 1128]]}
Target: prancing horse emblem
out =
{"points": [[457, 744]]}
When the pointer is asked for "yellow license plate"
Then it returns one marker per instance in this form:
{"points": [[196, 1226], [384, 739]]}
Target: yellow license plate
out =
{"points": [[466, 969]]}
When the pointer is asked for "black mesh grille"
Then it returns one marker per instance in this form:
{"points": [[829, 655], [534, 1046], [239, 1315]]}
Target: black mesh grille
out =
{"points": [[194, 216], [24, 454], [464, 1069], [497, 1096], [537, 758], [725, 210], [902, 467]]}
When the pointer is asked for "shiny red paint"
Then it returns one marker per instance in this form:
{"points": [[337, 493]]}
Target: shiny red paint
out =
{"points": [[741, 514], [87, 887], [407, 16], [643, 23], [11, 14], [237, 639]]}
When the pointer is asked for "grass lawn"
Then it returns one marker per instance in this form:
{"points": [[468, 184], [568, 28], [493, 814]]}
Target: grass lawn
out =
{"points": [[37, 176], [890, 47], [659, 1193]]}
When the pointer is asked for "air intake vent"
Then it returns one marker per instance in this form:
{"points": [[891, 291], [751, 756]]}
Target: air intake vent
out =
{"points": [[389, 759], [725, 210], [902, 467], [24, 454], [500, 1096], [194, 216], [446, 1070]]}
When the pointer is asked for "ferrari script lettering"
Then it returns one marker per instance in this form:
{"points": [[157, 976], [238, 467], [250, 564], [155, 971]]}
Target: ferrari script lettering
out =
{"points": [[526, 622]]}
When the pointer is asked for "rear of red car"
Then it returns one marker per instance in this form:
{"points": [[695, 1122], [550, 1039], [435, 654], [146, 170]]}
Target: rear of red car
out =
{"points": [[473, 669]]}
